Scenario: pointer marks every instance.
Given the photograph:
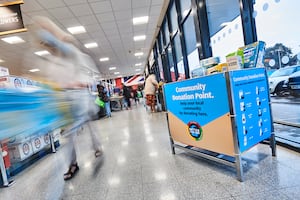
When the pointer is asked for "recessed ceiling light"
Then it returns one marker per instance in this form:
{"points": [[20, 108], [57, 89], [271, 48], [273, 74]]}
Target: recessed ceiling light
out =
{"points": [[42, 53], [139, 37], [140, 20], [112, 68], [91, 45], [116, 73], [139, 54], [13, 40], [104, 59], [76, 29], [34, 70], [137, 69], [138, 64]]}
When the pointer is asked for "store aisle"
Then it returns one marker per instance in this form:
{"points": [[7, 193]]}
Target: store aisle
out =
{"points": [[138, 165]]}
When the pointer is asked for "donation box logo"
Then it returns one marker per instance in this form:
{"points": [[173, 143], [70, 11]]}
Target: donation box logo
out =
{"points": [[195, 130]]}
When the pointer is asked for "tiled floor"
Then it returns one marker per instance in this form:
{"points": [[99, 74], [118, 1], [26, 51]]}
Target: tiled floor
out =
{"points": [[138, 164]]}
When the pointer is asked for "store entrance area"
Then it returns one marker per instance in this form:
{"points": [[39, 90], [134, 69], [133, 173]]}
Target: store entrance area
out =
{"points": [[138, 164]]}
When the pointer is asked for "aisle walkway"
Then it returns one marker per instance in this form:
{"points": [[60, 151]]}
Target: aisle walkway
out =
{"points": [[138, 165]]}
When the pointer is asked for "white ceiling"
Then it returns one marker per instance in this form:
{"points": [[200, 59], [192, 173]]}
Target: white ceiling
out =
{"points": [[107, 22]]}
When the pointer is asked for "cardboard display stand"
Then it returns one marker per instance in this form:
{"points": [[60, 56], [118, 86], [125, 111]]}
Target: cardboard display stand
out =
{"points": [[220, 116]]}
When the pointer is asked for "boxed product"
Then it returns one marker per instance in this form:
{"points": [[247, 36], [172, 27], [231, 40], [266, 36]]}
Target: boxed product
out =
{"points": [[209, 62], [254, 54], [16, 82], [234, 62], [46, 139], [21, 151], [37, 144], [4, 71], [56, 134], [222, 67], [200, 71], [11, 82]]}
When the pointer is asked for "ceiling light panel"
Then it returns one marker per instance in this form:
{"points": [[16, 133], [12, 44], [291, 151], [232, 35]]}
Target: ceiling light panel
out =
{"points": [[140, 20], [42, 53], [138, 64], [13, 40], [91, 45], [112, 68], [104, 59], [138, 54], [76, 30], [139, 37], [34, 70]]}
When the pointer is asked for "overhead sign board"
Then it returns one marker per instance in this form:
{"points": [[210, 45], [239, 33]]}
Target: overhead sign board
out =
{"points": [[11, 18]]}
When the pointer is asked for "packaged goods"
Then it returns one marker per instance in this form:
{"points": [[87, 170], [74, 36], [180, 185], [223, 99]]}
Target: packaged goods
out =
{"points": [[254, 54]]}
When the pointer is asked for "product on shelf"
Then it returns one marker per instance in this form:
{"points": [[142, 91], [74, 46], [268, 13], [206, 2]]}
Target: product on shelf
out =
{"points": [[254, 54]]}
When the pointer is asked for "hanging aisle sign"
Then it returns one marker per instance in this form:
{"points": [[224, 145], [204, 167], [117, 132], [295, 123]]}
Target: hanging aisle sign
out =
{"points": [[11, 18]]}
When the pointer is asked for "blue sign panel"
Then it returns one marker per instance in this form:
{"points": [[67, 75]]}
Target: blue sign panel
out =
{"points": [[202, 99], [251, 106]]}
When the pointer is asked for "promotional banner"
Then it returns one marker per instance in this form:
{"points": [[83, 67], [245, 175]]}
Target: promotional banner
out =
{"points": [[198, 113], [251, 106], [11, 19]]}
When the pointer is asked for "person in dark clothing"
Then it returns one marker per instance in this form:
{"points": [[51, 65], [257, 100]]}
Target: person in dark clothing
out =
{"points": [[103, 97], [127, 95]]}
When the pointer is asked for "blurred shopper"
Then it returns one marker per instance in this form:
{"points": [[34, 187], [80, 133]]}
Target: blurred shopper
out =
{"points": [[65, 67], [150, 90], [127, 96], [102, 93]]}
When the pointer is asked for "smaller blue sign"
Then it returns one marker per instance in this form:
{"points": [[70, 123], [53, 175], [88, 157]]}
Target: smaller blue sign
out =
{"points": [[251, 106]]}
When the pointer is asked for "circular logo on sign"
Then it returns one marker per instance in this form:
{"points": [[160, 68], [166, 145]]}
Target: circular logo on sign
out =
{"points": [[25, 149], [17, 83], [37, 143], [46, 139], [195, 130]]}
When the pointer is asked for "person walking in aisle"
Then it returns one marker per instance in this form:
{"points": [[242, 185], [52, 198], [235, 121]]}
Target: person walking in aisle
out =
{"points": [[127, 95], [151, 86], [66, 63]]}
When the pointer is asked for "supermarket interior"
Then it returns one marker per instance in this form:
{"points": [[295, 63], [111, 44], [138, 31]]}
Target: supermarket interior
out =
{"points": [[149, 99]]}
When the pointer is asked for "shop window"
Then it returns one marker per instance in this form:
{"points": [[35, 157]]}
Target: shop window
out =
{"points": [[191, 43], [275, 25], [179, 58], [160, 42], [225, 26], [185, 6], [167, 33], [171, 63], [173, 18]]}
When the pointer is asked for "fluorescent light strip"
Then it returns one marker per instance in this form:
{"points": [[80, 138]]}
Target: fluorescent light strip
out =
{"points": [[76, 30], [13, 40], [139, 37], [138, 54], [34, 70], [137, 69], [140, 20], [104, 59], [138, 64], [112, 68], [91, 45], [42, 53], [116, 73]]}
